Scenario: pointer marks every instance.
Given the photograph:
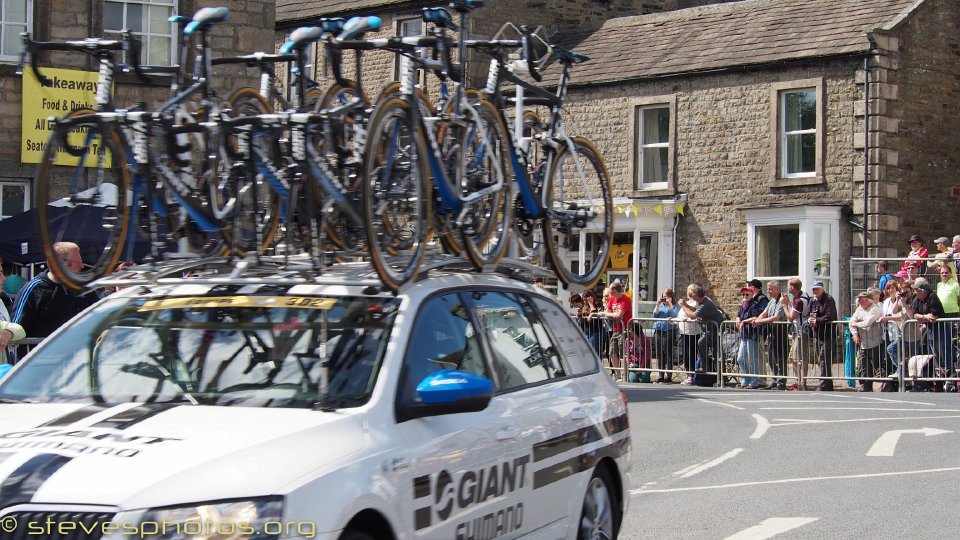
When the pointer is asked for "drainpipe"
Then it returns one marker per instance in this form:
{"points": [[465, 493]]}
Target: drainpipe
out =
{"points": [[866, 142]]}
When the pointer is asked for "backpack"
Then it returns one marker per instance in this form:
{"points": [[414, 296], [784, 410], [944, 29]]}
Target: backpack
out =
{"points": [[805, 313]]}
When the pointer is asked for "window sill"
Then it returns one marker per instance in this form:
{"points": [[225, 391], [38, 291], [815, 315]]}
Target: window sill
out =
{"points": [[794, 182], [652, 192]]}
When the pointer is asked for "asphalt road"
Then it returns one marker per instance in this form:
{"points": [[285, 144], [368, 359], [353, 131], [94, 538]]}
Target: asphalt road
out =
{"points": [[752, 464]]}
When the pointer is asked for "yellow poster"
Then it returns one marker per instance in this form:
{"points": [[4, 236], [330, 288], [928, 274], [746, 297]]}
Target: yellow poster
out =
{"points": [[70, 90], [621, 256]]}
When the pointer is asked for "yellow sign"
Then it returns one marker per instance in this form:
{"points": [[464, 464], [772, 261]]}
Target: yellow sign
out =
{"points": [[71, 90], [205, 302], [621, 256]]}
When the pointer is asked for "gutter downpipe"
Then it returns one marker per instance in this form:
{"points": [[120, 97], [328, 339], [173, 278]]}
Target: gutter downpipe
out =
{"points": [[866, 149]]}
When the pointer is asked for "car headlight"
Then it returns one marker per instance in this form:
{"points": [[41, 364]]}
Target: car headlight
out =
{"points": [[257, 519]]}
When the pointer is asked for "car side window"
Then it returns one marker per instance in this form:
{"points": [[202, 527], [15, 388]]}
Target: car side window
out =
{"points": [[577, 351], [522, 351], [443, 338]]}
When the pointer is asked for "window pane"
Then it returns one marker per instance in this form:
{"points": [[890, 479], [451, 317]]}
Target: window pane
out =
{"points": [[777, 251], [159, 51], [800, 110], [655, 165], [113, 16], [656, 125], [801, 153], [821, 250], [12, 45], [443, 338], [158, 19], [135, 16], [13, 200], [14, 11], [520, 357]]}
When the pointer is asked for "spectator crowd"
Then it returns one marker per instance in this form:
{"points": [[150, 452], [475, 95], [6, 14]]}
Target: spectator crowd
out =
{"points": [[904, 329]]}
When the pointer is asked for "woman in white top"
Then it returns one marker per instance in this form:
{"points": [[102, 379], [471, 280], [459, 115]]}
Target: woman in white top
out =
{"points": [[690, 330], [891, 318]]}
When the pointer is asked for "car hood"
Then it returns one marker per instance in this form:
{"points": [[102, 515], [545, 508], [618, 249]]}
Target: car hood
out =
{"points": [[134, 456]]}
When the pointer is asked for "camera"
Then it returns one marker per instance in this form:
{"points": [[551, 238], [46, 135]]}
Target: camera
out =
{"points": [[903, 294], [663, 298]]}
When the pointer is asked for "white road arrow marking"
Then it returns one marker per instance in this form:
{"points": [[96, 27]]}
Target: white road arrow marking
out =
{"points": [[887, 443], [700, 467], [770, 528]]}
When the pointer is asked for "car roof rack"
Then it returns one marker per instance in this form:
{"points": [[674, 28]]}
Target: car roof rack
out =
{"points": [[293, 270]]}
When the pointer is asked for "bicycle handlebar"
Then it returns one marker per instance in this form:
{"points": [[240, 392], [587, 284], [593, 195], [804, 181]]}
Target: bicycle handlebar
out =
{"points": [[94, 46]]}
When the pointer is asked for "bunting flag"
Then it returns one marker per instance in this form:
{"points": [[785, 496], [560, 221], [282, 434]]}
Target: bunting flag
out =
{"points": [[658, 209], [680, 208]]}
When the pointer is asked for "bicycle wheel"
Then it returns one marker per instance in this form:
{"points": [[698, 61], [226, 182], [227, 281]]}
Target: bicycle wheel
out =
{"points": [[82, 190], [528, 230], [258, 209], [484, 163], [396, 194], [578, 199], [342, 150]]}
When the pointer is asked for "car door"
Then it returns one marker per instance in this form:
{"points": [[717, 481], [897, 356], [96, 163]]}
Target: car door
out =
{"points": [[461, 468], [597, 424], [539, 397]]}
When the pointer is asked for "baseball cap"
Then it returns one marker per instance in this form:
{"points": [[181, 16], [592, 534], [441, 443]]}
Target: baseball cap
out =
{"points": [[865, 294], [942, 240], [902, 274], [755, 283], [746, 289], [915, 238], [922, 283], [817, 285], [13, 284]]}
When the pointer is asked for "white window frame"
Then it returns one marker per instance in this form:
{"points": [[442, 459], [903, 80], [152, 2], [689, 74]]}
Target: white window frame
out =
{"points": [[27, 196], [778, 158], [399, 23], [16, 28], [642, 113], [807, 218], [635, 162], [146, 34], [785, 136]]}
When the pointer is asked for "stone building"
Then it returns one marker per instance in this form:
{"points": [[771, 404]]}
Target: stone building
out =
{"points": [[250, 28], [787, 128]]}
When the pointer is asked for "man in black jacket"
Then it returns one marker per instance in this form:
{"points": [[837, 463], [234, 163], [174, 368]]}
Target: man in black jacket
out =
{"points": [[823, 312], [44, 305]]}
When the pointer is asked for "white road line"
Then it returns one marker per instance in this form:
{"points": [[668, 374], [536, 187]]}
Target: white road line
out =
{"points": [[762, 426], [888, 400], [642, 491], [770, 528], [688, 472], [851, 409], [794, 421], [787, 401], [720, 403]]}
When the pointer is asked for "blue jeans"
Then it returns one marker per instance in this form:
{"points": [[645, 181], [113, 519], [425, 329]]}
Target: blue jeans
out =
{"points": [[893, 353], [748, 358]]}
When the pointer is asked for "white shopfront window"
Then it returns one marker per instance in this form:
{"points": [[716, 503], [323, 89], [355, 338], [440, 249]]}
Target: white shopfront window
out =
{"points": [[799, 242]]}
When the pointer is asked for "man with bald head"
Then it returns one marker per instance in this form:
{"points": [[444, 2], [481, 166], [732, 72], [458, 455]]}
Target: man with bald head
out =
{"points": [[44, 304]]}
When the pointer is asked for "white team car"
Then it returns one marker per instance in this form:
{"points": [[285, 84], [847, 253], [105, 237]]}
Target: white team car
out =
{"points": [[466, 407]]}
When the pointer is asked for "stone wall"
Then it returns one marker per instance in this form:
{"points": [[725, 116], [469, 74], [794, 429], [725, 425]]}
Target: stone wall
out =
{"points": [[915, 116]]}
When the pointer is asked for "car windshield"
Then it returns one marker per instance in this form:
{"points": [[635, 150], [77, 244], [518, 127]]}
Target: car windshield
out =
{"points": [[253, 350]]}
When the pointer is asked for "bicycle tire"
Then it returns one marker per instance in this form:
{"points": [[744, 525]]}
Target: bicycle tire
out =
{"points": [[88, 199], [396, 194], [257, 214], [528, 236], [340, 230], [486, 230], [589, 196]]}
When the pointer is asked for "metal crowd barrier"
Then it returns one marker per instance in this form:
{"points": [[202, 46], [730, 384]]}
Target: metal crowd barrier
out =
{"points": [[17, 350]]}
